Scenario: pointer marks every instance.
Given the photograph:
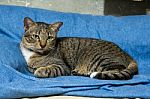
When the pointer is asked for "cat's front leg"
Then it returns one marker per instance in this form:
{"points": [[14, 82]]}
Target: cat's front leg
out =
{"points": [[53, 70]]}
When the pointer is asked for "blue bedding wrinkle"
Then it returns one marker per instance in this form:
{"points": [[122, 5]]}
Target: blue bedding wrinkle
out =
{"points": [[131, 33]]}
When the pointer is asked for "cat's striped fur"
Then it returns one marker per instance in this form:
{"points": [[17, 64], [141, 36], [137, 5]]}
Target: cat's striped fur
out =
{"points": [[54, 56]]}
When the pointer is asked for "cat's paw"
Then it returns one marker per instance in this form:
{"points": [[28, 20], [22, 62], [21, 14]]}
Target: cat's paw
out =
{"points": [[76, 72], [42, 72]]}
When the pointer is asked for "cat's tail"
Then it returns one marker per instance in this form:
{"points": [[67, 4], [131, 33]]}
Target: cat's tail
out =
{"points": [[125, 74]]}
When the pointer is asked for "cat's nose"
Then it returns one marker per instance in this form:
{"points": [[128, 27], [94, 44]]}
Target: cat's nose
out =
{"points": [[42, 44]]}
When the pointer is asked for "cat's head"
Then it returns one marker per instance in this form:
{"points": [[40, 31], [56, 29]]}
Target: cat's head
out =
{"points": [[40, 37]]}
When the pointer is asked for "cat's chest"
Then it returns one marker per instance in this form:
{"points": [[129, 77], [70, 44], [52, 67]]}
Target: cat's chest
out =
{"points": [[26, 53]]}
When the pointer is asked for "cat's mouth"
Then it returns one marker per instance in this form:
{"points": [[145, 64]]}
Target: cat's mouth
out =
{"points": [[44, 50]]}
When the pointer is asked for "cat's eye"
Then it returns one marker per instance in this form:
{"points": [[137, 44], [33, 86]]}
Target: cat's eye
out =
{"points": [[50, 37], [35, 36]]}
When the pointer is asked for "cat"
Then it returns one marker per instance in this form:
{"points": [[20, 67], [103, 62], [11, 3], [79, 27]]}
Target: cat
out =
{"points": [[50, 56]]}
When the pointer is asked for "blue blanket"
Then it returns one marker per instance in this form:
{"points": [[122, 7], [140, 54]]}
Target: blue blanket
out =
{"points": [[131, 33]]}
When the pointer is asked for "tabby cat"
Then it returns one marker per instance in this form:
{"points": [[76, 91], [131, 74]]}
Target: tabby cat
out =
{"points": [[49, 56]]}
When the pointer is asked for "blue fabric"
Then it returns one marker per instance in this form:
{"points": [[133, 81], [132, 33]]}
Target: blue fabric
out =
{"points": [[131, 33]]}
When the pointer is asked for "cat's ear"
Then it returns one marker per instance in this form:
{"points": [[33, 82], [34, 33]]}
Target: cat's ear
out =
{"points": [[55, 26], [28, 22]]}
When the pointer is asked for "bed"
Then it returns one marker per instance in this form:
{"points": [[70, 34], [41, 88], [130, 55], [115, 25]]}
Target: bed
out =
{"points": [[130, 32]]}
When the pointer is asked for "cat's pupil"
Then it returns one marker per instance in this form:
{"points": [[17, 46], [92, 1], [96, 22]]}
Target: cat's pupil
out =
{"points": [[35, 36], [50, 37]]}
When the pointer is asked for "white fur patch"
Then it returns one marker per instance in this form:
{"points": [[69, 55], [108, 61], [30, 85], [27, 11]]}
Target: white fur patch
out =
{"points": [[93, 74], [26, 53]]}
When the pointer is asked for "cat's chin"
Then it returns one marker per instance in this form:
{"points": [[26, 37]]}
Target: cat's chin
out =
{"points": [[42, 52]]}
